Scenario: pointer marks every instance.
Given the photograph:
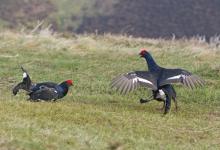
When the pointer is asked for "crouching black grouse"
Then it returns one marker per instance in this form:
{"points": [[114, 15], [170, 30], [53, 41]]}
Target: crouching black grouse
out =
{"points": [[158, 79], [47, 91]]}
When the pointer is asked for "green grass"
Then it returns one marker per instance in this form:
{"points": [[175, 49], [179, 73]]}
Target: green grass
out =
{"points": [[93, 116]]}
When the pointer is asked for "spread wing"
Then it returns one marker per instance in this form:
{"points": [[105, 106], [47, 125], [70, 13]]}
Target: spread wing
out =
{"points": [[130, 81], [170, 76], [44, 93]]}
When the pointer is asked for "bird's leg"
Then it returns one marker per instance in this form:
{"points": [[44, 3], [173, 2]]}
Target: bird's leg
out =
{"points": [[146, 100], [176, 106], [167, 104], [163, 106]]}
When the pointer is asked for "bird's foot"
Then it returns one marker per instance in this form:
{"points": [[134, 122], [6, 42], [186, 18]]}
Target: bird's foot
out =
{"points": [[54, 100], [144, 100], [165, 112]]}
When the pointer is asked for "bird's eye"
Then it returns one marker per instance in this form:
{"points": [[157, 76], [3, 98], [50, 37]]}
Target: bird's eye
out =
{"points": [[42, 87]]}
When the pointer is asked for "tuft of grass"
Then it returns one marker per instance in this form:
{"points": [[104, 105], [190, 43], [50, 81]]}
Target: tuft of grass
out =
{"points": [[93, 116]]}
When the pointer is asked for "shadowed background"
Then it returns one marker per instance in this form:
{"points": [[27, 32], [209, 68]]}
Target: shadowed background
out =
{"points": [[140, 18]]}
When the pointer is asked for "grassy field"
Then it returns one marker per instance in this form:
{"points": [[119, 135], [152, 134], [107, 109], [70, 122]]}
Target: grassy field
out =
{"points": [[93, 116]]}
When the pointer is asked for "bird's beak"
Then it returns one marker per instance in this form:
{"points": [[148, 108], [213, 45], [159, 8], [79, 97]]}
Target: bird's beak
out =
{"points": [[140, 55]]}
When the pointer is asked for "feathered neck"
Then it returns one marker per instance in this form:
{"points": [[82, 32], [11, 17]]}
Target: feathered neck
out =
{"points": [[65, 87], [152, 65]]}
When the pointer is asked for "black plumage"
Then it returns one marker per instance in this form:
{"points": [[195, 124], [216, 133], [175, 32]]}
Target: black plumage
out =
{"points": [[158, 79], [42, 91]]}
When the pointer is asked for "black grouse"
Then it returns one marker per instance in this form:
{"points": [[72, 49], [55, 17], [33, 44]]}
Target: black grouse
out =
{"points": [[47, 91], [158, 79]]}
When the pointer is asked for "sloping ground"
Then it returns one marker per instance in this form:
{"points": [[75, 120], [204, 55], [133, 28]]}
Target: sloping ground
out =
{"points": [[159, 18], [93, 116]]}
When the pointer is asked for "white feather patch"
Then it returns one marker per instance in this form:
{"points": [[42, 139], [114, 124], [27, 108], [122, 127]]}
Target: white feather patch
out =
{"points": [[176, 77], [24, 75], [141, 80], [161, 92], [135, 80]]}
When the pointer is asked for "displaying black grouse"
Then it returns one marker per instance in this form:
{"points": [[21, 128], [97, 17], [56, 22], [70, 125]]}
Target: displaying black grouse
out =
{"points": [[158, 79], [42, 91]]}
